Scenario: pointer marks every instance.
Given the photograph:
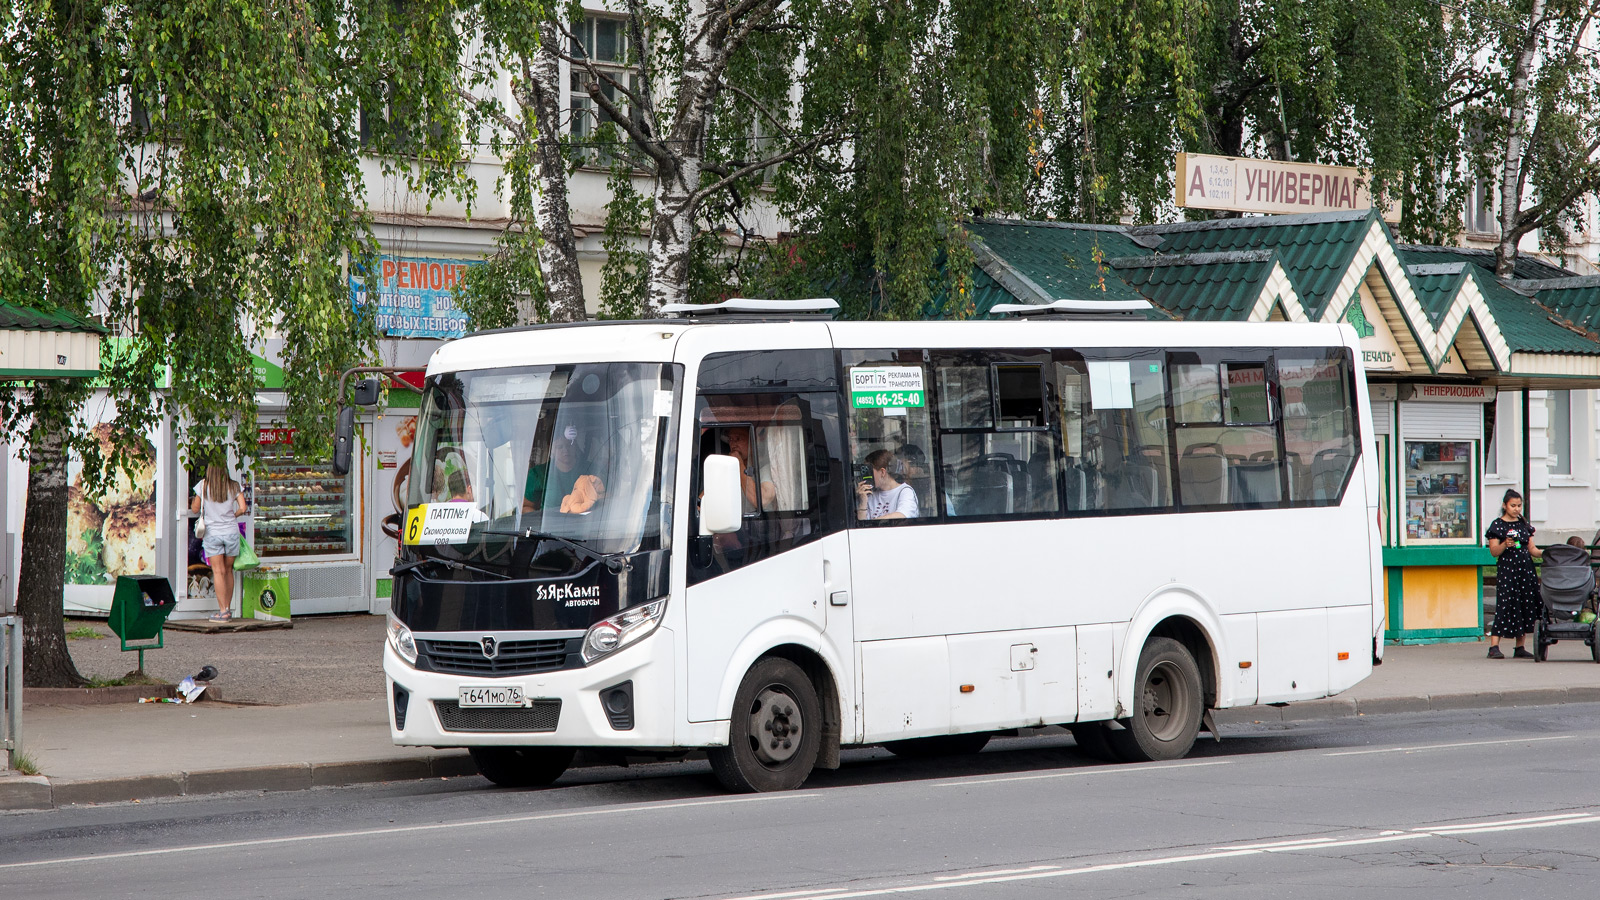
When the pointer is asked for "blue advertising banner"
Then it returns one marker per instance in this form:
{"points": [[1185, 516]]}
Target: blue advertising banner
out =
{"points": [[415, 296]]}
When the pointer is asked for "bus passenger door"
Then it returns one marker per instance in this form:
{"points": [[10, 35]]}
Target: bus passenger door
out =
{"points": [[773, 581]]}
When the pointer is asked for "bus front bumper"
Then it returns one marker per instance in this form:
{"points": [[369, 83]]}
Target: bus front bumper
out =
{"points": [[580, 721]]}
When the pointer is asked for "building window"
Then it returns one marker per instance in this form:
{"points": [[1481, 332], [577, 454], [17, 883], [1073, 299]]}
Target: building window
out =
{"points": [[604, 42], [1480, 208], [1560, 405]]}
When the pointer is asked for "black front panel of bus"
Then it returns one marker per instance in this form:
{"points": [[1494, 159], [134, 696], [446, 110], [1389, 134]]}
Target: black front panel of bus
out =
{"points": [[472, 602]]}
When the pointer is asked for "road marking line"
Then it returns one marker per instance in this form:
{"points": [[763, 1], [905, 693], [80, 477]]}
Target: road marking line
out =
{"points": [[992, 872], [1491, 828], [820, 892], [1311, 844], [1094, 770], [1299, 843], [1527, 740], [1468, 825], [411, 829]]}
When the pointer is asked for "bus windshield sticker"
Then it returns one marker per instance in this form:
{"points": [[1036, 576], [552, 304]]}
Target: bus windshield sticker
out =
{"points": [[441, 523], [662, 404], [1111, 385], [883, 387]]}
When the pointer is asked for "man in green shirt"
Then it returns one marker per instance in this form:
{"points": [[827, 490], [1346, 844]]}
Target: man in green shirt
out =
{"points": [[549, 482]]}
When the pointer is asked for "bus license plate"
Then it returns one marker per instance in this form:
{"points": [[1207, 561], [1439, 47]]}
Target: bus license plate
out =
{"points": [[492, 695]]}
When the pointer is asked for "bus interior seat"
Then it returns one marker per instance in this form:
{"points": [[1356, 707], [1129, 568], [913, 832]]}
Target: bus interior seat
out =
{"points": [[1136, 485], [1255, 482], [1077, 484], [1203, 474], [989, 489], [1328, 469]]}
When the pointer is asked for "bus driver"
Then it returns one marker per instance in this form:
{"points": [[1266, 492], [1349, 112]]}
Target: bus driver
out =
{"points": [[886, 497]]}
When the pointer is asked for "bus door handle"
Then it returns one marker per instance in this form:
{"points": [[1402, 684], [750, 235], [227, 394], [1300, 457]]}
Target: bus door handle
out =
{"points": [[839, 598]]}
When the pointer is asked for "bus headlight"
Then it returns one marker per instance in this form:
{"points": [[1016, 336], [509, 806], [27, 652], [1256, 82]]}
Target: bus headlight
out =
{"points": [[402, 642], [622, 629]]}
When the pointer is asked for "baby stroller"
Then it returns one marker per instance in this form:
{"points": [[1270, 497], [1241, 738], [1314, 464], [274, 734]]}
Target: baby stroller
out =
{"points": [[1566, 582]]}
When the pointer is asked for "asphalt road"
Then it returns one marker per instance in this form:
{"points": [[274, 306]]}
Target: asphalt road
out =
{"points": [[1494, 803]]}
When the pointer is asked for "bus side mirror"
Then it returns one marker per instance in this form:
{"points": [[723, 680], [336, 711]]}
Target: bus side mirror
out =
{"points": [[366, 392], [343, 435], [721, 505]]}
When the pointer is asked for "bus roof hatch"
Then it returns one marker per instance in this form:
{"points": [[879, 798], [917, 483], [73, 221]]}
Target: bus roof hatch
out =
{"points": [[753, 309]]}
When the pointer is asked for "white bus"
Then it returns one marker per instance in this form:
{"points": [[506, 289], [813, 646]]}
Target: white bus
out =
{"points": [[769, 535]]}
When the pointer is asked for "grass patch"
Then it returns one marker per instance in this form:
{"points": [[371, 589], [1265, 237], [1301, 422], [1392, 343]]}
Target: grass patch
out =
{"points": [[85, 633], [24, 763]]}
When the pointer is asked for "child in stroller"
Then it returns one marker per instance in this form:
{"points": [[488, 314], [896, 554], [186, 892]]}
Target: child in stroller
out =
{"points": [[1567, 584]]}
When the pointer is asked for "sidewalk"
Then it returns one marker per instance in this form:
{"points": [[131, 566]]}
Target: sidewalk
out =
{"points": [[331, 726]]}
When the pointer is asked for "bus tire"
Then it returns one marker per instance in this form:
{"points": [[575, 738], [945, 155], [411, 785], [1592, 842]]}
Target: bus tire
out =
{"points": [[518, 767], [1093, 741], [943, 745], [775, 732], [1167, 705]]}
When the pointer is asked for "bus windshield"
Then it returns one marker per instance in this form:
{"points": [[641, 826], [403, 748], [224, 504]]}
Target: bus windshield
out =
{"points": [[580, 452]]}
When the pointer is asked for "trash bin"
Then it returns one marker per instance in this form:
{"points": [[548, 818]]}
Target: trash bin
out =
{"points": [[139, 608], [266, 594]]}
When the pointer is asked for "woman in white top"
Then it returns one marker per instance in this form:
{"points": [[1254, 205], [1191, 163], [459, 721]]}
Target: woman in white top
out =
{"points": [[885, 497], [220, 502]]}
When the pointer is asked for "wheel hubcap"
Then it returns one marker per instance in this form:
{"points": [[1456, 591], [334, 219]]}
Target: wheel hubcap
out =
{"points": [[775, 726], [1163, 704]]}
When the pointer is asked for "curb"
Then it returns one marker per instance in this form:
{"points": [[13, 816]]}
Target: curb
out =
{"points": [[22, 792]]}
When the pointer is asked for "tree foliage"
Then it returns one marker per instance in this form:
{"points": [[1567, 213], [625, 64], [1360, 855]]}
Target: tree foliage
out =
{"points": [[188, 171]]}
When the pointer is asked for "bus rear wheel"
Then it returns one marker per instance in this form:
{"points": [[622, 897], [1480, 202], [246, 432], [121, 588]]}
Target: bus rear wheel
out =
{"points": [[943, 745], [1167, 705], [515, 767], [775, 733]]}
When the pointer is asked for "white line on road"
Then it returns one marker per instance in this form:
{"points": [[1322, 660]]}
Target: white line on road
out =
{"points": [[1094, 770], [1311, 844], [1526, 740], [820, 892], [1503, 822], [982, 874], [412, 829]]}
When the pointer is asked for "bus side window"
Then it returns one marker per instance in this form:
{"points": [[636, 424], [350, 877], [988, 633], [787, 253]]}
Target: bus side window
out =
{"points": [[1318, 428], [1123, 452], [995, 452], [785, 474], [1226, 438], [891, 452]]}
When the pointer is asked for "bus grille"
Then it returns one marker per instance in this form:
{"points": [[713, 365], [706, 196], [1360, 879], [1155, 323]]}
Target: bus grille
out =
{"points": [[512, 658], [542, 716]]}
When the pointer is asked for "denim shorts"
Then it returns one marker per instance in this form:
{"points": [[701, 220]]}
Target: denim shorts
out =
{"points": [[224, 544]]}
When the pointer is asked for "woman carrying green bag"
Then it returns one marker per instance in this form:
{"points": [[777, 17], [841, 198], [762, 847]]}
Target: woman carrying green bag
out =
{"points": [[220, 502]]}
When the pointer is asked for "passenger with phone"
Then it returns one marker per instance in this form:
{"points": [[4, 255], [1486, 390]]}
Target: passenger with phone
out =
{"points": [[882, 493]]}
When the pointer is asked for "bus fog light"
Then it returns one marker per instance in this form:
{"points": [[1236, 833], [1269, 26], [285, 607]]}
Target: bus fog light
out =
{"points": [[622, 629]]}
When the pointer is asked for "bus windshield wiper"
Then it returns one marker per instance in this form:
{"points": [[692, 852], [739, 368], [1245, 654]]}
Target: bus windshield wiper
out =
{"points": [[616, 562], [447, 563]]}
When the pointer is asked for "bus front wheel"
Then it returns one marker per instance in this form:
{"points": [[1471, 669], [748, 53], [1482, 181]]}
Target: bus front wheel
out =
{"points": [[1167, 705], [775, 732], [522, 766]]}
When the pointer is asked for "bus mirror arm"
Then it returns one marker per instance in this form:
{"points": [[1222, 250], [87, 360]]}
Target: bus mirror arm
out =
{"points": [[721, 509]]}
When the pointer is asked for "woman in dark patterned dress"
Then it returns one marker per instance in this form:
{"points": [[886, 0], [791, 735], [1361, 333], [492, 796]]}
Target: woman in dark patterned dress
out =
{"points": [[1516, 587]]}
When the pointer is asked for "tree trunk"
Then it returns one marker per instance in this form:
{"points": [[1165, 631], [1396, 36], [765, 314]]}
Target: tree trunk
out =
{"points": [[1505, 254], [44, 557], [705, 32], [671, 234], [558, 250]]}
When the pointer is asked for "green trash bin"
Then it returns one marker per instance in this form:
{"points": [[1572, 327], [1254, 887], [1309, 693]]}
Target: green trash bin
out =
{"points": [[139, 609], [265, 594]]}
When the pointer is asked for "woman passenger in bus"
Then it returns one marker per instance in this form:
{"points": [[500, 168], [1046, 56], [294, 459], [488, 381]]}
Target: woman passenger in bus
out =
{"points": [[887, 496]]}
